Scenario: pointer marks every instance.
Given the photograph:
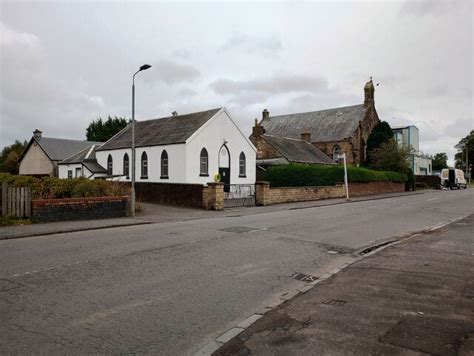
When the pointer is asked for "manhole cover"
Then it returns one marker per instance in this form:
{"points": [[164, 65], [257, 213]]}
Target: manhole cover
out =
{"points": [[336, 302], [239, 229], [303, 277]]}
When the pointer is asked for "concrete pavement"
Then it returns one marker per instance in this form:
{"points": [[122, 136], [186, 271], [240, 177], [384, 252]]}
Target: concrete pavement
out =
{"points": [[415, 297], [171, 288]]}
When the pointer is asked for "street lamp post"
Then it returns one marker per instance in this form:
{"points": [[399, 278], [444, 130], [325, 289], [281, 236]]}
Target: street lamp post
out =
{"points": [[346, 183], [132, 193]]}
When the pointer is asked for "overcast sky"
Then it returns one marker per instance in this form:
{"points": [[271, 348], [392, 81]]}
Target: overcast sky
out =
{"points": [[64, 64]]}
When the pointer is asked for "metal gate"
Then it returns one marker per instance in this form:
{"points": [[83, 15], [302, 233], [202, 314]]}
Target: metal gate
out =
{"points": [[239, 195]]}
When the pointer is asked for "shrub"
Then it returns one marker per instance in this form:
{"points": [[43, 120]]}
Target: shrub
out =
{"points": [[50, 188], [300, 175]]}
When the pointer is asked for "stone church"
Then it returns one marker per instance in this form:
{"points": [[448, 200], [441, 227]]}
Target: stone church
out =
{"points": [[332, 131]]}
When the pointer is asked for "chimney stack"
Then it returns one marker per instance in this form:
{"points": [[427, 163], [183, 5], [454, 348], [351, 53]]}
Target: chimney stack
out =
{"points": [[265, 114], [306, 136], [174, 113], [257, 130], [37, 134]]}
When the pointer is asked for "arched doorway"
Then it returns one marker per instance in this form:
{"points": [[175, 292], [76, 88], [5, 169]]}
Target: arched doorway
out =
{"points": [[224, 167]]}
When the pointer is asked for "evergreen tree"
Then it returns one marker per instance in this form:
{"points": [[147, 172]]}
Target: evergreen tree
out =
{"points": [[102, 130]]}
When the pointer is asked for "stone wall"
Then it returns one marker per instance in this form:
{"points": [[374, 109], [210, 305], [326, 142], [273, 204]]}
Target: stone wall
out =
{"points": [[358, 189], [170, 193], [50, 210], [213, 196], [268, 196]]}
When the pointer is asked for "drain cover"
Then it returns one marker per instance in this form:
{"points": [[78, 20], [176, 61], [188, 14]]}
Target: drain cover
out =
{"points": [[303, 277], [336, 302], [239, 229]]}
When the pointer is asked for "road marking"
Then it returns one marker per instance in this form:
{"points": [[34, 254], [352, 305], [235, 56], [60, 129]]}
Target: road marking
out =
{"points": [[431, 199]]}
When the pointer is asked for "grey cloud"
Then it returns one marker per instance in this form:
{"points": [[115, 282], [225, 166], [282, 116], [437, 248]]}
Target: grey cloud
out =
{"points": [[182, 53], [171, 72], [270, 85], [430, 7], [268, 45]]}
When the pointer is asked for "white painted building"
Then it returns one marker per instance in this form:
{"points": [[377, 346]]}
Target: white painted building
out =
{"points": [[82, 164], [189, 148], [408, 136]]}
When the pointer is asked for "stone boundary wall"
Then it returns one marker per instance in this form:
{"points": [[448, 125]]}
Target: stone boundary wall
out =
{"points": [[213, 196], [170, 193], [268, 196], [51, 210]]}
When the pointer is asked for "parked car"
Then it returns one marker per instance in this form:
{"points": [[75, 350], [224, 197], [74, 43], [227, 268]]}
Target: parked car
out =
{"points": [[453, 178]]}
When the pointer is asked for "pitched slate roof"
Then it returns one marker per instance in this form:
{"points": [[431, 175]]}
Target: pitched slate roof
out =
{"points": [[163, 131], [87, 158], [326, 125], [58, 149], [297, 150]]}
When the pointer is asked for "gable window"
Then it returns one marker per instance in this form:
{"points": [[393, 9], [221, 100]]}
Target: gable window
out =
{"points": [[69, 174], [144, 165], [126, 165], [109, 165], [164, 165], [204, 163], [242, 164], [336, 151]]}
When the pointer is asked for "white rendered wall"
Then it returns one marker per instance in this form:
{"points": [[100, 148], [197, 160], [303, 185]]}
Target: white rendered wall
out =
{"points": [[64, 168], [176, 163], [212, 136]]}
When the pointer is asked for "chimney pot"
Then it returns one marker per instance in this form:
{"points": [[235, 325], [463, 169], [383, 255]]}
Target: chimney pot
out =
{"points": [[265, 114], [37, 134], [174, 113], [306, 136]]}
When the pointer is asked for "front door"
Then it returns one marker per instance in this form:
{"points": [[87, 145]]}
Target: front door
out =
{"points": [[224, 167], [225, 178]]}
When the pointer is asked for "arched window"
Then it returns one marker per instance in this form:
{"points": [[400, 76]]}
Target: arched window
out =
{"points": [[109, 165], [144, 165], [126, 165], [336, 151], [242, 164], [204, 163], [164, 165]]}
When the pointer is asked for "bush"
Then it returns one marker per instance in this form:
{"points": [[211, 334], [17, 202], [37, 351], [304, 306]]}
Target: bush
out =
{"points": [[50, 188], [301, 175]]}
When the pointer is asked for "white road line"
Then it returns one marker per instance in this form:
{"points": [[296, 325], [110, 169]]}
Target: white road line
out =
{"points": [[431, 199]]}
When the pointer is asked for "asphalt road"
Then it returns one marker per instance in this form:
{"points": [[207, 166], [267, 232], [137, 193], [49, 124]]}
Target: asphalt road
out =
{"points": [[170, 288]]}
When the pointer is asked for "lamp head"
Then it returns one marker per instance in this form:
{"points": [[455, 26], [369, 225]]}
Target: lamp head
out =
{"points": [[145, 67]]}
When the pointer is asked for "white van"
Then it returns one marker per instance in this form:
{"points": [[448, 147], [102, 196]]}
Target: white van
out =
{"points": [[451, 178]]}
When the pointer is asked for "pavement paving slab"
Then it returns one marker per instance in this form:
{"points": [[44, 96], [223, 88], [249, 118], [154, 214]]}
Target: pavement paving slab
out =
{"points": [[415, 297]]}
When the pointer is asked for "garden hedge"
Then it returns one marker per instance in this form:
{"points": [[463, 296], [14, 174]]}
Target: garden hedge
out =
{"points": [[50, 188], [301, 175]]}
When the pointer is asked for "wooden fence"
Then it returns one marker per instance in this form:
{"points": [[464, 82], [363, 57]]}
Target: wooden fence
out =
{"points": [[16, 201]]}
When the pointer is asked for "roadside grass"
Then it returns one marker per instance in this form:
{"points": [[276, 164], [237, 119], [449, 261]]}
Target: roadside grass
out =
{"points": [[9, 221]]}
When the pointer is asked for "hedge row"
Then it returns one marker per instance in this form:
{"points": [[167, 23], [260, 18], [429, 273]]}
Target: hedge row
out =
{"points": [[301, 175], [50, 188]]}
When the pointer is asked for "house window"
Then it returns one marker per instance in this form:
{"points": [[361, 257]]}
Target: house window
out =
{"points": [[242, 172], [164, 165], [336, 151], [126, 165], [144, 165], [204, 163], [109, 165], [69, 174], [78, 172]]}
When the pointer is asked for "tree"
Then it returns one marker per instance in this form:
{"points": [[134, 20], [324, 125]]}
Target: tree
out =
{"points": [[101, 130], [390, 157], [381, 133], [440, 161], [465, 144], [10, 155]]}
